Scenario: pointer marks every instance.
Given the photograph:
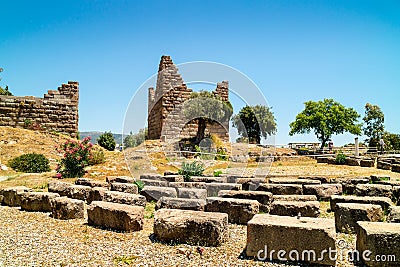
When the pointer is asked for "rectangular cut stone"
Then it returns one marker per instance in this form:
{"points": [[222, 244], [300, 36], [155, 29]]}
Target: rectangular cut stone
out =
{"points": [[394, 214], [150, 176], [264, 198], [200, 185], [91, 182], [191, 227], [37, 201], [209, 179], [239, 211], [295, 208], [119, 179], [309, 237], [348, 214], [173, 178], [382, 240], [192, 193], [384, 202], [124, 198], [59, 187], [281, 189], [181, 203], [323, 191], [80, 192], [374, 190], [294, 198], [11, 195], [124, 187], [155, 182], [64, 208], [154, 193], [293, 181], [116, 216], [214, 188]]}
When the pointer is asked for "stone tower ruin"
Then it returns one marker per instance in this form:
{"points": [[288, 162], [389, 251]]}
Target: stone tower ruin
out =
{"points": [[165, 120]]}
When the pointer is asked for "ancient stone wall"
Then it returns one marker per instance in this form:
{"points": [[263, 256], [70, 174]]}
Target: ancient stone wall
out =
{"points": [[56, 111], [165, 118]]}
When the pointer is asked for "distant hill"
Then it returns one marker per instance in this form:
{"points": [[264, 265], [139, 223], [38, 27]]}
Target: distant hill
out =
{"points": [[95, 135]]}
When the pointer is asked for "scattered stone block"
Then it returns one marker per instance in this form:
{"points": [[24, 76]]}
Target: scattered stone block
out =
{"points": [[124, 187], [394, 214], [348, 214], [395, 167], [80, 192], [116, 216], [192, 227], [352, 161], [209, 179], [199, 185], [250, 184], [322, 159], [91, 182], [36, 201], [59, 187], [367, 163], [64, 208], [374, 190], [96, 194], [119, 179], [323, 191], [293, 181], [281, 189], [379, 178], [124, 198], [192, 193], [181, 203], [155, 182], [396, 194], [383, 165], [384, 202], [349, 185], [264, 198], [11, 195], [294, 198], [174, 178], [267, 233], [154, 193], [295, 208], [322, 179], [239, 211], [151, 176], [214, 188], [383, 240]]}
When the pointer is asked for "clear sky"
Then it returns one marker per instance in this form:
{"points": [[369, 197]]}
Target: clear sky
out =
{"points": [[294, 51]]}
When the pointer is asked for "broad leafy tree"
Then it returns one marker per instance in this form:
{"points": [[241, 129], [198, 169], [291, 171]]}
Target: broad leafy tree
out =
{"points": [[133, 140], [206, 107], [325, 118], [374, 123], [255, 122]]}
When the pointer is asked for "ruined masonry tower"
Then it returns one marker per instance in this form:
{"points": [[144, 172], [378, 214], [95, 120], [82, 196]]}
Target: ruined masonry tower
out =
{"points": [[165, 120]]}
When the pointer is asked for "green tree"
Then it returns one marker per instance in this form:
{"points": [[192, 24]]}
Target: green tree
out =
{"points": [[107, 141], [392, 141], [326, 118], [374, 120], [254, 122], [133, 140], [206, 107], [4, 91]]}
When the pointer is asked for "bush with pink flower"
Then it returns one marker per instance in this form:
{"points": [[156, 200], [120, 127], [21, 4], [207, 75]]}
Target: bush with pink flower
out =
{"points": [[76, 156]]}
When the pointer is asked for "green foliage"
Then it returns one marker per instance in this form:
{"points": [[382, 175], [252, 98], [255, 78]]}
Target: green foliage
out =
{"points": [[149, 209], [340, 158], [217, 173], [27, 123], [32, 163], [206, 107], [133, 140], [326, 118], [374, 123], [221, 154], [76, 156], [255, 122], [392, 141], [191, 169], [129, 260], [139, 184], [96, 156], [5, 91], [107, 141]]}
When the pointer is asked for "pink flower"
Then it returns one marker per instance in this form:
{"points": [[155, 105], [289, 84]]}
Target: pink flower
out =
{"points": [[58, 175]]}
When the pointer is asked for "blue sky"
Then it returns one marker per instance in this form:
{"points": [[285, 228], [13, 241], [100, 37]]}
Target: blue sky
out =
{"points": [[294, 51]]}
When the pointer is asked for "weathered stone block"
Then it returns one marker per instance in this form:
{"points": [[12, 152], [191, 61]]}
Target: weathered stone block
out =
{"points": [[352, 161], [264, 198], [294, 198], [96, 194], [239, 211], [173, 178], [124, 187], [214, 188], [374, 190], [348, 214], [151, 176], [192, 193], [181, 203], [11, 195], [349, 184], [384, 202], [124, 198], [192, 227], [116, 216], [395, 167], [323, 191], [59, 187], [281, 189], [382, 240], [309, 237], [394, 214], [367, 163], [295, 208], [209, 179], [91, 182], [36, 201], [64, 208], [154, 193], [199, 185], [119, 179], [293, 181], [79, 192], [383, 165], [155, 182]]}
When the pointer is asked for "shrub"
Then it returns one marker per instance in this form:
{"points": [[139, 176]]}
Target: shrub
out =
{"points": [[75, 158], [96, 156], [139, 184], [340, 158], [217, 173], [191, 169], [221, 154], [107, 141], [30, 163]]}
